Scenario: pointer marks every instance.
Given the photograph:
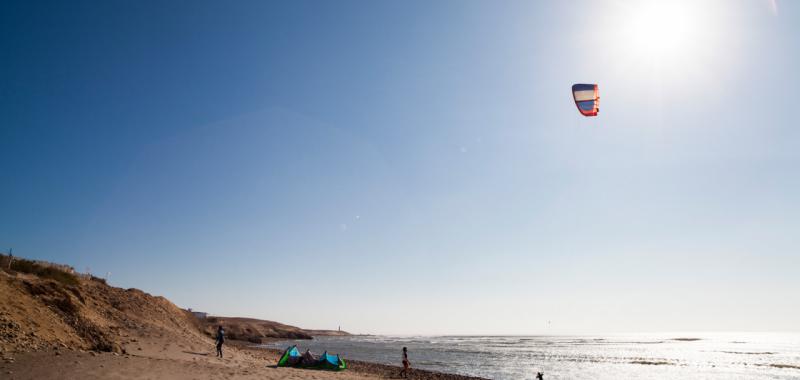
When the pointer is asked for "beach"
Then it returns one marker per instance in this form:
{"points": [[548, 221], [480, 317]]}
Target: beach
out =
{"points": [[163, 358], [55, 324], [69, 364]]}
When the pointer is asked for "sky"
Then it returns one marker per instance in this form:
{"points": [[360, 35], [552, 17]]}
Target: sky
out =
{"points": [[413, 167]]}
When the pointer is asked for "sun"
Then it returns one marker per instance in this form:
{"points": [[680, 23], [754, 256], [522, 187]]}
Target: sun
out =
{"points": [[661, 31], [671, 45]]}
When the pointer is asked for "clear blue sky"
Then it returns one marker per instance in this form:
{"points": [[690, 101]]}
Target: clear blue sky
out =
{"points": [[413, 167]]}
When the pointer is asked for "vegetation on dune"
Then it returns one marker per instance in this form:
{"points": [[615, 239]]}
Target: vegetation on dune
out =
{"points": [[31, 267], [98, 279]]}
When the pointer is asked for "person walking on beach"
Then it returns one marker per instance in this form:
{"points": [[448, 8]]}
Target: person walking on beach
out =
{"points": [[220, 340], [406, 363]]}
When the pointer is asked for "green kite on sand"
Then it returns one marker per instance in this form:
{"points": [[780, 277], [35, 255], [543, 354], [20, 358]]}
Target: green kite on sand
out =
{"points": [[292, 358]]}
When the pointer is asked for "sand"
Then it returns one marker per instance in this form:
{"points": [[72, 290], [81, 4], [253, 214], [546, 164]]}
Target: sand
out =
{"points": [[154, 357], [156, 360]]}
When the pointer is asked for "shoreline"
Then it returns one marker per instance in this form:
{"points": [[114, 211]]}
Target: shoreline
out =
{"points": [[163, 360], [376, 370]]}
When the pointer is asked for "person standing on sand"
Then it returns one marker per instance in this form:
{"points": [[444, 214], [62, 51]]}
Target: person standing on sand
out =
{"points": [[220, 340], [406, 363]]}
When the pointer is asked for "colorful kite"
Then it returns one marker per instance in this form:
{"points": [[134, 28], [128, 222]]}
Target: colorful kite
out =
{"points": [[587, 98]]}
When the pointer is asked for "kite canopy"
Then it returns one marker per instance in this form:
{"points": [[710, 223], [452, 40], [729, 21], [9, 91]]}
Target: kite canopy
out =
{"points": [[331, 362], [587, 98], [292, 358]]}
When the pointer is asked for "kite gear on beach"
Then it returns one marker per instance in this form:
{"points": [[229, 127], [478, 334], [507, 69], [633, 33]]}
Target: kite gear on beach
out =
{"points": [[292, 358], [587, 98]]}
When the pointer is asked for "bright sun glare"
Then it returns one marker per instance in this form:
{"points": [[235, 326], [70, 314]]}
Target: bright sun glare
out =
{"points": [[661, 30], [670, 42]]}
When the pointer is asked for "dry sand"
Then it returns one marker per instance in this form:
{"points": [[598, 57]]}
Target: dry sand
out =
{"points": [[176, 364]]}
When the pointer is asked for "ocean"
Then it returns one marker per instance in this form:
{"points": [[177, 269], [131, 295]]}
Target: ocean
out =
{"points": [[668, 356]]}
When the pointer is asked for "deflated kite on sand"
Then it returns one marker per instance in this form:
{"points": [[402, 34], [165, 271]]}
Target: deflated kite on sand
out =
{"points": [[292, 358]]}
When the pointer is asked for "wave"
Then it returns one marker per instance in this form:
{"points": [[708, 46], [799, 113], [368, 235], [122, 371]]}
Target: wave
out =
{"points": [[782, 366], [648, 362]]}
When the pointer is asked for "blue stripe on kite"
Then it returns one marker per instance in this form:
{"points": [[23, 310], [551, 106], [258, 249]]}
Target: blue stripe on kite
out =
{"points": [[587, 105]]}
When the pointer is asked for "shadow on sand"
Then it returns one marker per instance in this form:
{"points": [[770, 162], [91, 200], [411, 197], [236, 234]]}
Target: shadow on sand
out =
{"points": [[196, 353]]}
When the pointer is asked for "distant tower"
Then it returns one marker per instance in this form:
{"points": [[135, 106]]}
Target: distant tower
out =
{"points": [[340, 328]]}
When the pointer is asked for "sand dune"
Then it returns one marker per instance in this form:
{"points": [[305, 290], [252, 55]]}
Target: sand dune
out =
{"points": [[62, 326]]}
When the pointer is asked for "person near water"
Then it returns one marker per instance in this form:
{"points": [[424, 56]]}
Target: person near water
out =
{"points": [[220, 340], [539, 376], [406, 363]]}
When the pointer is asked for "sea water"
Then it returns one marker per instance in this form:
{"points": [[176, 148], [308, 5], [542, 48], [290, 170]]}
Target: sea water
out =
{"points": [[653, 356]]}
